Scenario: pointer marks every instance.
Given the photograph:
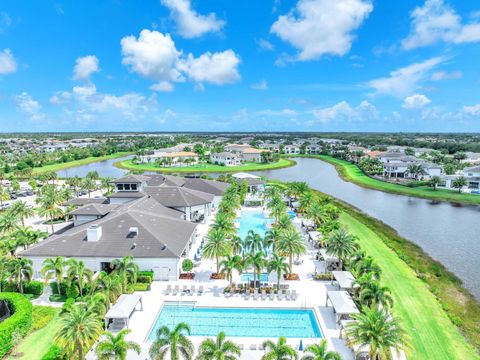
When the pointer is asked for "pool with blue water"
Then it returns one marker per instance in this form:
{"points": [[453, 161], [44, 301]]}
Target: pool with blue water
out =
{"points": [[252, 220], [239, 322]]}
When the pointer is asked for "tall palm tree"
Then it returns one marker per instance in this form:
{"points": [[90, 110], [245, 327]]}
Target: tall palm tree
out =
{"points": [[257, 261], [378, 330], [126, 269], [8, 223], [291, 244], [49, 201], [225, 224], [21, 211], [115, 347], [304, 201], [284, 222], [254, 241], [218, 349], [374, 293], [110, 285], [367, 265], [271, 238], [342, 244], [78, 329], [229, 265], [320, 352], [174, 342], [21, 270], [216, 246], [89, 184], [278, 265], [74, 182], [78, 272], [54, 268], [27, 236], [237, 245], [279, 351], [297, 188], [107, 185], [4, 269]]}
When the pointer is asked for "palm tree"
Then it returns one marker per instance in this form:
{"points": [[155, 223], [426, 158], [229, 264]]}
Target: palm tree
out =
{"points": [[271, 238], [315, 213], [28, 236], [377, 329], [459, 183], [237, 244], [89, 184], [78, 272], [278, 265], [374, 293], [8, 223], [434, 182], [297, 188], [110, 285], [126, 269], [74, 182], [257, 261], [49, 201], [78, 329], [21, 211], [4, 269], [218, 349], [342, 244], [54, 268], [415, 170], [284, 222], [115, 347], [291, 244], [254, 241], [319, 352], [367, 265], [174, 342], [304, 201], [229, 265], [279, 351], [106, 184], [21, 270], [216, 246], [225, 224]]}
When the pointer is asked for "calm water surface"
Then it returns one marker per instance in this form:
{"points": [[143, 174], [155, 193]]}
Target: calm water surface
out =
{"points": [[449, 233], [104, 169]]}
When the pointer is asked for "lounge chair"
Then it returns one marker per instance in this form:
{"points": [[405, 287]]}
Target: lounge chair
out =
{"points": [[256, 295], [200, 290], [176, 290], [246, 295], [185, 289], [294, 294], [280, 294], [272, 295], [253, 347], [240, 346], [287, 294], [168, 290], [192, 290], [264, 294]]}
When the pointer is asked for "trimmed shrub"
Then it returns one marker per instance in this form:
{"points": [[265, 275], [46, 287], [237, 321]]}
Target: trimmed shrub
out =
{"points": [[57, 298], [144, 279], [34, 288], [187, 265], [68, 305], [41, 316], [54, 288], [73, 292], [146, 273], [54, 353], [20, 320], [137, 287]]}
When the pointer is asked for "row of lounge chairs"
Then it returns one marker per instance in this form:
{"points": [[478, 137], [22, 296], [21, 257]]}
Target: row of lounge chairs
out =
{"points": [[282, 294], [184, 291]]}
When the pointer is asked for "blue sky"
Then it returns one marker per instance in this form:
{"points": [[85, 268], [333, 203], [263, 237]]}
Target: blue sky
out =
{"points": [[224, 65]]}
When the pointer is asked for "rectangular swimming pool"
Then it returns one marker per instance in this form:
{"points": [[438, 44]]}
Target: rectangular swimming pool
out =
{"points": [[252, 220], [247, 277], [240, 322]]}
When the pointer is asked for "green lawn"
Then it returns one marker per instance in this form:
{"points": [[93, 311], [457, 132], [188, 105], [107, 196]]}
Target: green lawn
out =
{"points": [[204, 168], [351, 172], [432, 334], [89, 160], [36, 344]]}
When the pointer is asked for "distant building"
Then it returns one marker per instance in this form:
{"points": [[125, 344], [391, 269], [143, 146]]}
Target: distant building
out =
{"points": [[396, 165], [225, 159]]}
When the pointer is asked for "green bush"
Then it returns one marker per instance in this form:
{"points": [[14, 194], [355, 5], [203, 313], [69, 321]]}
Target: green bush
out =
{"points": [[144, 279], [322, 276], [146, 273], [187, 265], [68, 305], [137, 287], [54, 288], [41, 316], [20, 320], [57, 298], [73, 292], [34, 288], [55, 353]]}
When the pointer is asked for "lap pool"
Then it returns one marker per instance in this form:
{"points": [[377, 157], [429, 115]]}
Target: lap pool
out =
{"points": [[252, 220], [240, 322]]}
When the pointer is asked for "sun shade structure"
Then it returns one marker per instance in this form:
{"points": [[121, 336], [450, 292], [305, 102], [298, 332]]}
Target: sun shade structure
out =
{"points": [[123, 309], [314, 236], [343, 305], [344, 279]]}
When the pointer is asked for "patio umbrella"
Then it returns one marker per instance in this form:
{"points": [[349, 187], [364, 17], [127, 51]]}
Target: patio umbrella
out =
{"points": [[300, 347]]}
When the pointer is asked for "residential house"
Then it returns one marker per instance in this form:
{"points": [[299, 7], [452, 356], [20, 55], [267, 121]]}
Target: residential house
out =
{"points": [[225, 159], [396, 165], [471, 175]]}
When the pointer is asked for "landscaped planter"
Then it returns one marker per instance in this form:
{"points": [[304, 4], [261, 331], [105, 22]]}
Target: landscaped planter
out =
{"points": [[187, 276], [216, 276], [291, 277]]}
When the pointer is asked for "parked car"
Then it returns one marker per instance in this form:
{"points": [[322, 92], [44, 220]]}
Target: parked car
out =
{"points": [[4, 206], [13, 196]]}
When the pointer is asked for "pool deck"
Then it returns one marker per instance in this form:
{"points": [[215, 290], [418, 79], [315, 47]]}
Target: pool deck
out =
{"points": [[311, 294]]}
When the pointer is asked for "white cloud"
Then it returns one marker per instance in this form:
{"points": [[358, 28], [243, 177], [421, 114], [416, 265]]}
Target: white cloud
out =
{"points": [[84, 67], [5, 21], [405, 80], [472, 110], [215, 68], [8, 65], [153, 55], [262, 85], [342, 111], [436, 22], [265, 45], [61, 97], [416, 101], [320, 27], [190, 24], [283, 112], [162, 86], [442, 75], [29, 106], [86, 90]]}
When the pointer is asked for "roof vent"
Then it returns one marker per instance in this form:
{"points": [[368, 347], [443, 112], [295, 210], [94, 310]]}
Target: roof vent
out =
{"points": [[133, 231], [134, 245], [94, 232]]}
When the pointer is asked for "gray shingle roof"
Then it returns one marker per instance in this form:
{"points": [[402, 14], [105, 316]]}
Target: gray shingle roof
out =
{"points": [[136, 179], [157, 180], [127, 194], [86, 201], [209, 186], [161, 234], [173, 196], [93, 209]]}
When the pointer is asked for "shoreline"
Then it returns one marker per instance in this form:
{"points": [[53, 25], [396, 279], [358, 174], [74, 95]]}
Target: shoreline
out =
{"points": [[281, 164], [352, 173]]}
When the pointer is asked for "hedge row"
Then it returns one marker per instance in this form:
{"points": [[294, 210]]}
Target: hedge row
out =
{"points": [[32, 287], [55, 353], [20, 320]]}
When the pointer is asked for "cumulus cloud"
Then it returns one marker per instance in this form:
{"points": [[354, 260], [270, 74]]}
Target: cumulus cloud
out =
{"points": [[8, 65], [262, 85], [416, 101], [154, 56], [191, 24], [320, 27], [472, 110], [436, 22], [443, 75], [84, 67], [343, 111], [405, 80], [266, 45], [215, 68], [29, 106]]}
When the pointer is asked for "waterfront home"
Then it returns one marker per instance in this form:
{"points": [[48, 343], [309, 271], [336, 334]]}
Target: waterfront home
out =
{"points": [[225, 159], [397, 165], [471, 158], [157, 237], [171, 159], [245, 152], [291, 149], [471, 175], [255, 183]]}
